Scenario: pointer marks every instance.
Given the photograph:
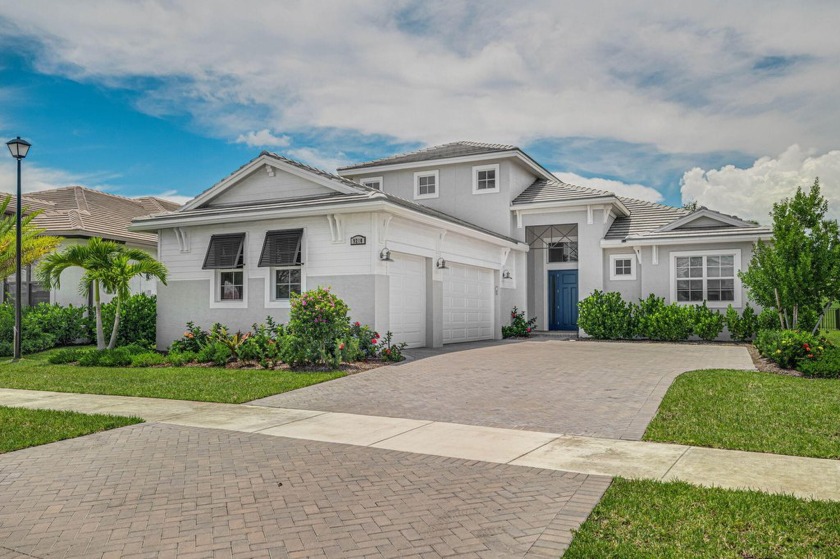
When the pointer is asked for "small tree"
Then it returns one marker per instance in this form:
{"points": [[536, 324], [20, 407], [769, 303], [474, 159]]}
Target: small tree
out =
{"points": [[798, 272], [35, 244], [107, 266]]}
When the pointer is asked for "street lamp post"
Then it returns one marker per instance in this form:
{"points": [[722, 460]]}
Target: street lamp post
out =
{"points": [[19, 148]]}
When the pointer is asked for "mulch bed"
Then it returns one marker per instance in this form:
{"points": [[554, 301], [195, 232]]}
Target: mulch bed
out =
{"points": [[766, 366]]}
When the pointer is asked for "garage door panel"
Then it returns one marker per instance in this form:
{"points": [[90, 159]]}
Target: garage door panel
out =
{"points": [[468, 313], [407, 305]]}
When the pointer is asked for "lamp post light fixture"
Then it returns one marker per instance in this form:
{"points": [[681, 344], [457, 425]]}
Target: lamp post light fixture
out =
{"points": [[18, 148]]}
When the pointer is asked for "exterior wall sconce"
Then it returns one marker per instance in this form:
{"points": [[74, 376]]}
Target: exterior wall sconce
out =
{"points": [[506, 275], [385, 255], [440, 264]]}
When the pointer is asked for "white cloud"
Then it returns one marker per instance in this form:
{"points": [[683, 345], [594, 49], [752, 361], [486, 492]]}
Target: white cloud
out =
{"points": [[750, 193], [684, 78], [173, 196], [35, 178], [316, 158], [637, 191], [263, 138]]}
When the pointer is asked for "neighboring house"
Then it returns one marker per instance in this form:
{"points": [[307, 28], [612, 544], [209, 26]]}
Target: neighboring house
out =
{"points": [[76, 214], [436, 246]]}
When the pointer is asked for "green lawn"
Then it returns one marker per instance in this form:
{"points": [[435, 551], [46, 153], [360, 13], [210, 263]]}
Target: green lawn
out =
{"points": [[22, 428], [203, 384], [649, 519], [833, 336], [747, 410]]}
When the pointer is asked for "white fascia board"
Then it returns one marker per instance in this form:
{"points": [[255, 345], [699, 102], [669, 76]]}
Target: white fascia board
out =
{"points": [[249, 168], [728, 238], [527, 161], [257, 213], [571, 205]]}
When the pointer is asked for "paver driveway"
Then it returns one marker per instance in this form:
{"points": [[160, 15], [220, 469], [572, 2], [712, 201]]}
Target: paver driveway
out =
{"points": [[599, 389], [160, 491]]}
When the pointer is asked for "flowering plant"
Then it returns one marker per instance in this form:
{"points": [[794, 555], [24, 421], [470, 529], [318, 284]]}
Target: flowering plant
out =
{"points": [[519, 326], [318, 325]]}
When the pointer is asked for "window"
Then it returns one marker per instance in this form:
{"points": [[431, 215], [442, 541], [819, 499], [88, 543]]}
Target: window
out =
{"points": [[426, 185], [286, 282], [562, 251], [623, 267], [282, 253], [226, 256], [373, 182], [231, 285], [485, 179], [710, 277]]}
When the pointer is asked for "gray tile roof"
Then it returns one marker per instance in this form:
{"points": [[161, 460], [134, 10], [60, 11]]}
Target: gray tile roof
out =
{"points": [[644, 217], [75, 210], [543, 190], [444, 151]]}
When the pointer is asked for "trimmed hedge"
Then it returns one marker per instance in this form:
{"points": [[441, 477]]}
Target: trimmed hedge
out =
{"points": [[606, 316], [44, 326]]}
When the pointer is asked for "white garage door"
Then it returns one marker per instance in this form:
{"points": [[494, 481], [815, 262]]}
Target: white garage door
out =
{"points": [[467, 303], [408, 299]]}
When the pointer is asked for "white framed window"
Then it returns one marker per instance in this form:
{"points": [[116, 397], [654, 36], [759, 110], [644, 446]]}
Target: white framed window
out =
{"points": [[485, 179], [426, 185], [561, 251], [286, 281], [373, 182], [623, 267], [282, 254], [226, 258], [710, 276]]}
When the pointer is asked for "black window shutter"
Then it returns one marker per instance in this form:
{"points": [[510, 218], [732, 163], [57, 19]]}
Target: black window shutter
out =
{"points": [[225, 252], [282, 248]]}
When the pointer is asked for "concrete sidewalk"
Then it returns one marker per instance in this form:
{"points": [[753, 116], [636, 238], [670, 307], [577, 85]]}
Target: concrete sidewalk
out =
{"points": [[803, 477]]}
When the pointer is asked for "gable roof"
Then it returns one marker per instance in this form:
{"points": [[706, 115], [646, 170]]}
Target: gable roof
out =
{"points": [[443, 151], [707, 215], [84, 212], [644, 217]]}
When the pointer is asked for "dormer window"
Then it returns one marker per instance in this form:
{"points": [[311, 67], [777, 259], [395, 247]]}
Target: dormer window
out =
{"points": [[373, 182], [426, 185], [485, 179]]}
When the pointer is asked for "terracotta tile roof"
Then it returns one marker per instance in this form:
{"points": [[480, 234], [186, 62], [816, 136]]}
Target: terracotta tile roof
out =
{"points": [[444, 151], [75, 210]]}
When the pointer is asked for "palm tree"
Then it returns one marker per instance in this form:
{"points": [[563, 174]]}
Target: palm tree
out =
{"points": [[35, 243], [125, 266], [107, 266]]}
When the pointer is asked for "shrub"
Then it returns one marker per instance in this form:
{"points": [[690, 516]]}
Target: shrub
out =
{"points": [[64, 356], [661, 322], [194, 339], [138, 320], [218, 353], [148, 359], [262, 344], [606, 316], [768, 319], [789, 347], [827, 366], [519, 326], [117, 357], [708, 324], [389, 351], [741, 328], [44, 326], [366, 339], [318, 323], [181, 358]]}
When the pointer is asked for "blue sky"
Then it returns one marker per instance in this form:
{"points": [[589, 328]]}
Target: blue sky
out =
{"points": [[166, 98]]}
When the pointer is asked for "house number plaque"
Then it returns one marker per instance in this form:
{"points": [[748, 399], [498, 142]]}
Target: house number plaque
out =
{"points": [[356, 240]]}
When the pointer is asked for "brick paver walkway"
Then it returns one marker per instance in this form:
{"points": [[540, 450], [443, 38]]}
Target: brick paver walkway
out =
{"points": [[159, 490], [596, 389]]}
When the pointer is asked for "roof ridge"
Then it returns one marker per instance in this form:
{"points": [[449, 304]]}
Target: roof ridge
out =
{"points": [[318, 171], [587, 188], [468, 143]]}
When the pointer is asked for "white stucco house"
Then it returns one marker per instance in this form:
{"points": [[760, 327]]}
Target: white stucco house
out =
{"points": [[436, 245], [76, 214]]}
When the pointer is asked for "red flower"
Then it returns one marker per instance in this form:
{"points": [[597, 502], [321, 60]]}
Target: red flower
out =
{"points": [[357, 324], [528, 330], [387, 351], [810, 356], [376, 335], [373, 341], [341, 346]]}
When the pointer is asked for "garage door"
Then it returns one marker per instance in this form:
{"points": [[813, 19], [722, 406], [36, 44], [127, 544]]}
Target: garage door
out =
{"points": [[408, 299], [467, 304]]}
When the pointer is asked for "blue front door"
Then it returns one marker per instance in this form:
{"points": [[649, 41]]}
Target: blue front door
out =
{"points": [[562, 299]]}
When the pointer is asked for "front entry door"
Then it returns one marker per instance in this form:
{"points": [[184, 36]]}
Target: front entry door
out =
{"points": [[562, 299]]}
